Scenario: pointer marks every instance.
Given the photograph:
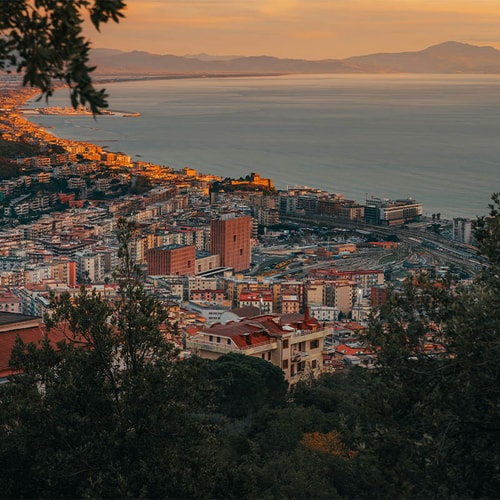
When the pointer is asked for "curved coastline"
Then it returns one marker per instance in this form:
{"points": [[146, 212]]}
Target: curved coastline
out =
{"points": [[238, 160], [19, 97]]}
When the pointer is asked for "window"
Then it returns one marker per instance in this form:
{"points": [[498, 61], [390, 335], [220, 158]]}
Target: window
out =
{"points": [[218, 340], [228, 341], [314, 364], [241, 251], [234, 238], [314, 344], [285, 364], [211, 338], [269, 356], [285, 344]]}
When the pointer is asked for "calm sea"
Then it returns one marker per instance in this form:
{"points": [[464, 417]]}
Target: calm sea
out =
{"points": [[434, 138]]}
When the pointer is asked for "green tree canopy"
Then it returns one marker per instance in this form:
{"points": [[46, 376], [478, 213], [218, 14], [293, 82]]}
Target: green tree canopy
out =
{"points": [[246, 384], [43, 40], [109, 413], [431, 417]]}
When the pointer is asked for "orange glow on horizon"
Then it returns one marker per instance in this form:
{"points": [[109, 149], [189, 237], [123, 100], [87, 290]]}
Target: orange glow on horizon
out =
{"points": [[309, 29]]}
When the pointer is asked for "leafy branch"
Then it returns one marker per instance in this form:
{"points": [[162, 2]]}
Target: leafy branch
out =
{"points": [[43, 40]]}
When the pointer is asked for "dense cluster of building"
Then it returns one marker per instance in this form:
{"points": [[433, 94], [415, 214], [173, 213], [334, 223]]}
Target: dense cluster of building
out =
{"points": [[195, 246]]}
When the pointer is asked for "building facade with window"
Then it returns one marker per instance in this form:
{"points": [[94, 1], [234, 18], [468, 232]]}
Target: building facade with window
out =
{"points": [[176, 260], [230, 239], [293, 342]]}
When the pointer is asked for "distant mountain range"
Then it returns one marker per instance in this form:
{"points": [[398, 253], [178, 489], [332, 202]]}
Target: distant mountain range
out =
{"points": [[448, 57]]}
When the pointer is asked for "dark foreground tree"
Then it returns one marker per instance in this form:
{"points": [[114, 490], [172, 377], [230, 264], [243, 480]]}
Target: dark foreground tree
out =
{"points": [[429, 423], [43, 40], [109, 412], [245, 385]]}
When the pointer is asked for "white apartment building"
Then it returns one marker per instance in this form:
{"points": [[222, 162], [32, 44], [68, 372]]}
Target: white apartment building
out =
{"points": [[324, 313], [89, 266]]}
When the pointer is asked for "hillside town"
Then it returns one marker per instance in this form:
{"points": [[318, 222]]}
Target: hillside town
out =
{"points": [[290, 276]]}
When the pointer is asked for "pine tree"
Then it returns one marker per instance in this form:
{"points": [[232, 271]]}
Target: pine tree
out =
{"points": [[109, 412], [434, 408]]}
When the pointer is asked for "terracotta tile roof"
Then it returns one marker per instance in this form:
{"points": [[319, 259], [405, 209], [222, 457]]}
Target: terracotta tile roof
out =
{"points": [[252, 339], [351, 325], [300, 321], [33, 334], [244, 333], [287, 319], [272, 327], [191, 329], [352, 351]]}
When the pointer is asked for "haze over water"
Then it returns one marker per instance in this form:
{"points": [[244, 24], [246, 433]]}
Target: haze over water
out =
{"points": [[435, 138]]}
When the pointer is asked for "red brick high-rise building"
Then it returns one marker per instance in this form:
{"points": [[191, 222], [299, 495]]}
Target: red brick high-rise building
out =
{"points": [[171, 260], [230, 238]]}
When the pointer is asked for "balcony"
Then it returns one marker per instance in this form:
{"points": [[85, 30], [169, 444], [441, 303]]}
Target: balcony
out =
{"points": [[206, 345], [299, 356], [312, 334], [307, 337]]}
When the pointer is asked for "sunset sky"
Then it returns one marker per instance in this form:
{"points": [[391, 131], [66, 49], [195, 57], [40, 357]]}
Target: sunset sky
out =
{"points": [[309, 29]]}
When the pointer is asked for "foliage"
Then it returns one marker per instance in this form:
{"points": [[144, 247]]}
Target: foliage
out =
{"points": [[329, 442], [43, 40], [246, 384], [434, 408], [16, 149], [265, 458], [487, 232], [425, 423], [106, 413], [341, 395], [111, 413], [8, 169]]}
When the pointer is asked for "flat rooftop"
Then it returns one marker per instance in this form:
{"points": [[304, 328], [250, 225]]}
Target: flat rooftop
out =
{"points": [[213, 272], [7, 318]]}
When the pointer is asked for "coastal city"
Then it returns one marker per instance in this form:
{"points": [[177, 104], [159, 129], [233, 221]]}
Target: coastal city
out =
{"points": [[269, 270], [249, 250], [290, 276]]}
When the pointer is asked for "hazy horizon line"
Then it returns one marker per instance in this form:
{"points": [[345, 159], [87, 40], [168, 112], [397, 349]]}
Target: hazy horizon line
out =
{"points": [[236, 56]]}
